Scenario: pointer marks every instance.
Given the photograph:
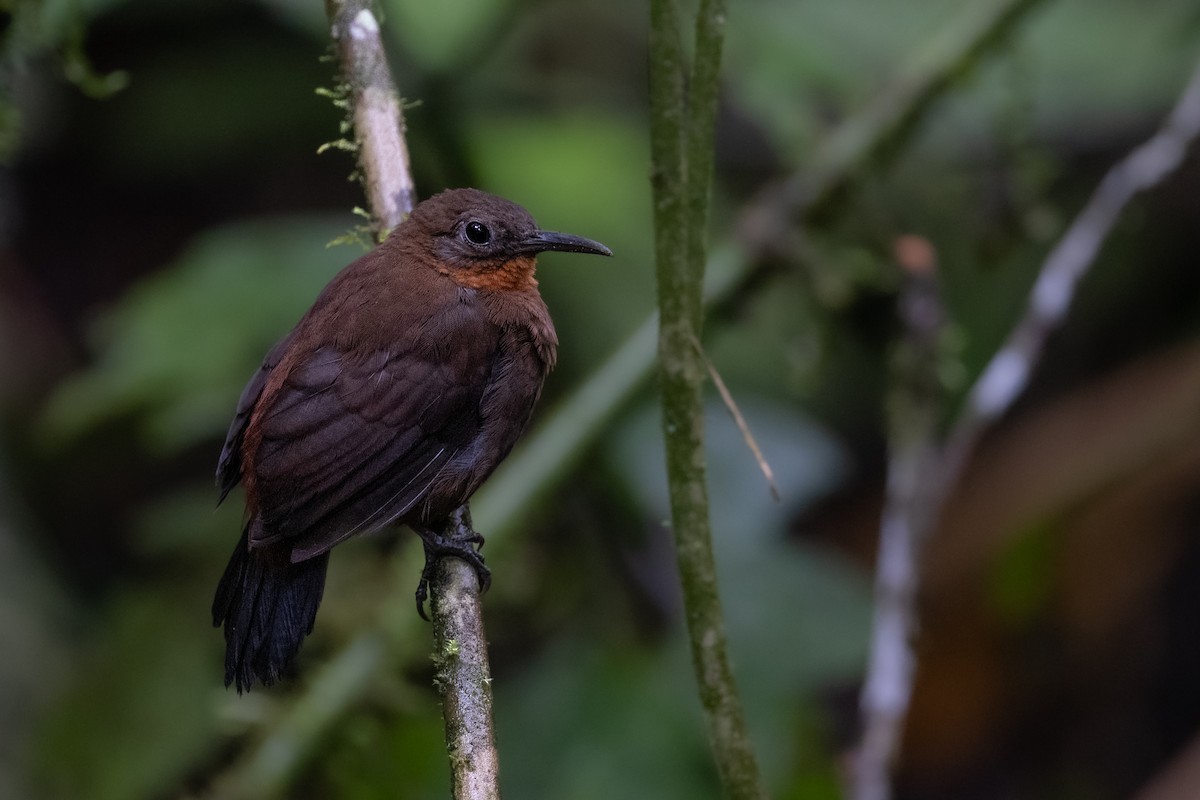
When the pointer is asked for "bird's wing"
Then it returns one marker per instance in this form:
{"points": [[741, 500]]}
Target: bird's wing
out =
{"points": [[351, 442], [229, 465]]}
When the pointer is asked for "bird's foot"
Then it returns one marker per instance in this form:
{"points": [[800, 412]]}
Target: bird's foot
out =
{"points": [[438, 546]]}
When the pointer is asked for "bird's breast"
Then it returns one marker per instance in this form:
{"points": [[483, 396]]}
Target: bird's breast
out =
{"points": [[524, 318]]}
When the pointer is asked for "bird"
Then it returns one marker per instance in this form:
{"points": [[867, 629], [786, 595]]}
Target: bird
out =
{"points": [[390, 402]]}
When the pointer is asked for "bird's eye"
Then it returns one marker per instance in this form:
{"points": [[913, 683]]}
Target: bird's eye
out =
{"points": [[477, 233]]}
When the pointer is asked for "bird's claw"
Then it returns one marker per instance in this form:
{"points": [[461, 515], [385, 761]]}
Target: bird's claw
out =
{"points": [[438, 546]]}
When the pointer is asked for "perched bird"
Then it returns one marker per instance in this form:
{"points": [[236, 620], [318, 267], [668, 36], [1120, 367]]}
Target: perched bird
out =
{"points": [[391, 401]]}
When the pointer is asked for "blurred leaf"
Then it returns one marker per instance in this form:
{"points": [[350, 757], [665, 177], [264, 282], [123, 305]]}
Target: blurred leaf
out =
{"points": [[403, 756], [33, 610], [37, 24], [1071, 39], [180, 345], [438, 35], [185, 525], [840, 54], [141, 707], [797, 617], [589, 721]]}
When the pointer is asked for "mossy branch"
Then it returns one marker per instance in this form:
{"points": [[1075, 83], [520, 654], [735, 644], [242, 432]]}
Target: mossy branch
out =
{"points": [[460, 645], [378, 120], [683, 112], [463, 675]]}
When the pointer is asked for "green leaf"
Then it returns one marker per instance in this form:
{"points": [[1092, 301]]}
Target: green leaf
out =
{"points": [[147, 685], [439, 35], [592, 720], [175, 351], [797, 617]]}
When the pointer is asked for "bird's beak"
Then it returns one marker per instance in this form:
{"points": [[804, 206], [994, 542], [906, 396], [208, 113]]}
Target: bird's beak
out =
{"points": [[541, 241]]}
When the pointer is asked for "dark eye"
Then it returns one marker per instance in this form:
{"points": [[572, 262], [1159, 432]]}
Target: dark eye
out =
{"points": [[477, 233]]}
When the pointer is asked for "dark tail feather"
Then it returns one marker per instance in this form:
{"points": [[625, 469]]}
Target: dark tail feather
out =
{"points": [[267, 605]]}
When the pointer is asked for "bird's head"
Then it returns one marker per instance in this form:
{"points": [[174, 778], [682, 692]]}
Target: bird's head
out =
{"points": [[486, 242]]}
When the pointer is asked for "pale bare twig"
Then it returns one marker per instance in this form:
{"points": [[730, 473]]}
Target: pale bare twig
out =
{"points": [[917, 494], [912, 440], [1008, 372], [378, 120], [1178, 779]]}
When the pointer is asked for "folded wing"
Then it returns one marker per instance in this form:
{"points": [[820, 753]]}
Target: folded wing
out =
{"points": [[351, 443]]}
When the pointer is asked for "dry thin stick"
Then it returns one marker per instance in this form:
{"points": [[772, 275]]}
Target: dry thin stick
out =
{"points": [[912, 510], [1008, 373], [735, 412]]}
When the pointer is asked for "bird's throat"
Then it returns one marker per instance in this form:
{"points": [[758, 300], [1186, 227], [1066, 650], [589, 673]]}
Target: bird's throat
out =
{"points": [[513, 275]]}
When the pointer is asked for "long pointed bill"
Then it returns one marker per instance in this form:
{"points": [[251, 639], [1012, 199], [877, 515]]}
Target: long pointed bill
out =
{"points": [[565, 243]]}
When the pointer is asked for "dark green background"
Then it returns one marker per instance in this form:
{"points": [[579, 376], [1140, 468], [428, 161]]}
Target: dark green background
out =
{"points": [[164, 218]]}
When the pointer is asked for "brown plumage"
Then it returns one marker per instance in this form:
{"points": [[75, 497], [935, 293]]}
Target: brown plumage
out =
{"points": [[391, 401]]}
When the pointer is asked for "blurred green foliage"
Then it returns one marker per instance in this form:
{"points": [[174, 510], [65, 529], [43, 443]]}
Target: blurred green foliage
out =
{"points": [[543, 103], [140, 711], [177, 351], [442, 37]]}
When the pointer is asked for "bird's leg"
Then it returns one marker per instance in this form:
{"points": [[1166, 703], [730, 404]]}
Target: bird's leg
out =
{"points": [[456, 539]]}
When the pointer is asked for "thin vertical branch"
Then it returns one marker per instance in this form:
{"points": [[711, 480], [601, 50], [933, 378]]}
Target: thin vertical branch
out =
{"points": [[915, 502], [460, 644], [681, 135], [378, 120], [463, 674], [700, 147], [914, 407]]}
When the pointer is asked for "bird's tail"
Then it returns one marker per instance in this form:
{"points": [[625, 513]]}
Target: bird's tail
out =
{"points": [[267, 605]]}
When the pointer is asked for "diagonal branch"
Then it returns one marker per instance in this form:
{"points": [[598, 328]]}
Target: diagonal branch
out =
{"points": [[880, 129], [1007, 374], [922, 476]]}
